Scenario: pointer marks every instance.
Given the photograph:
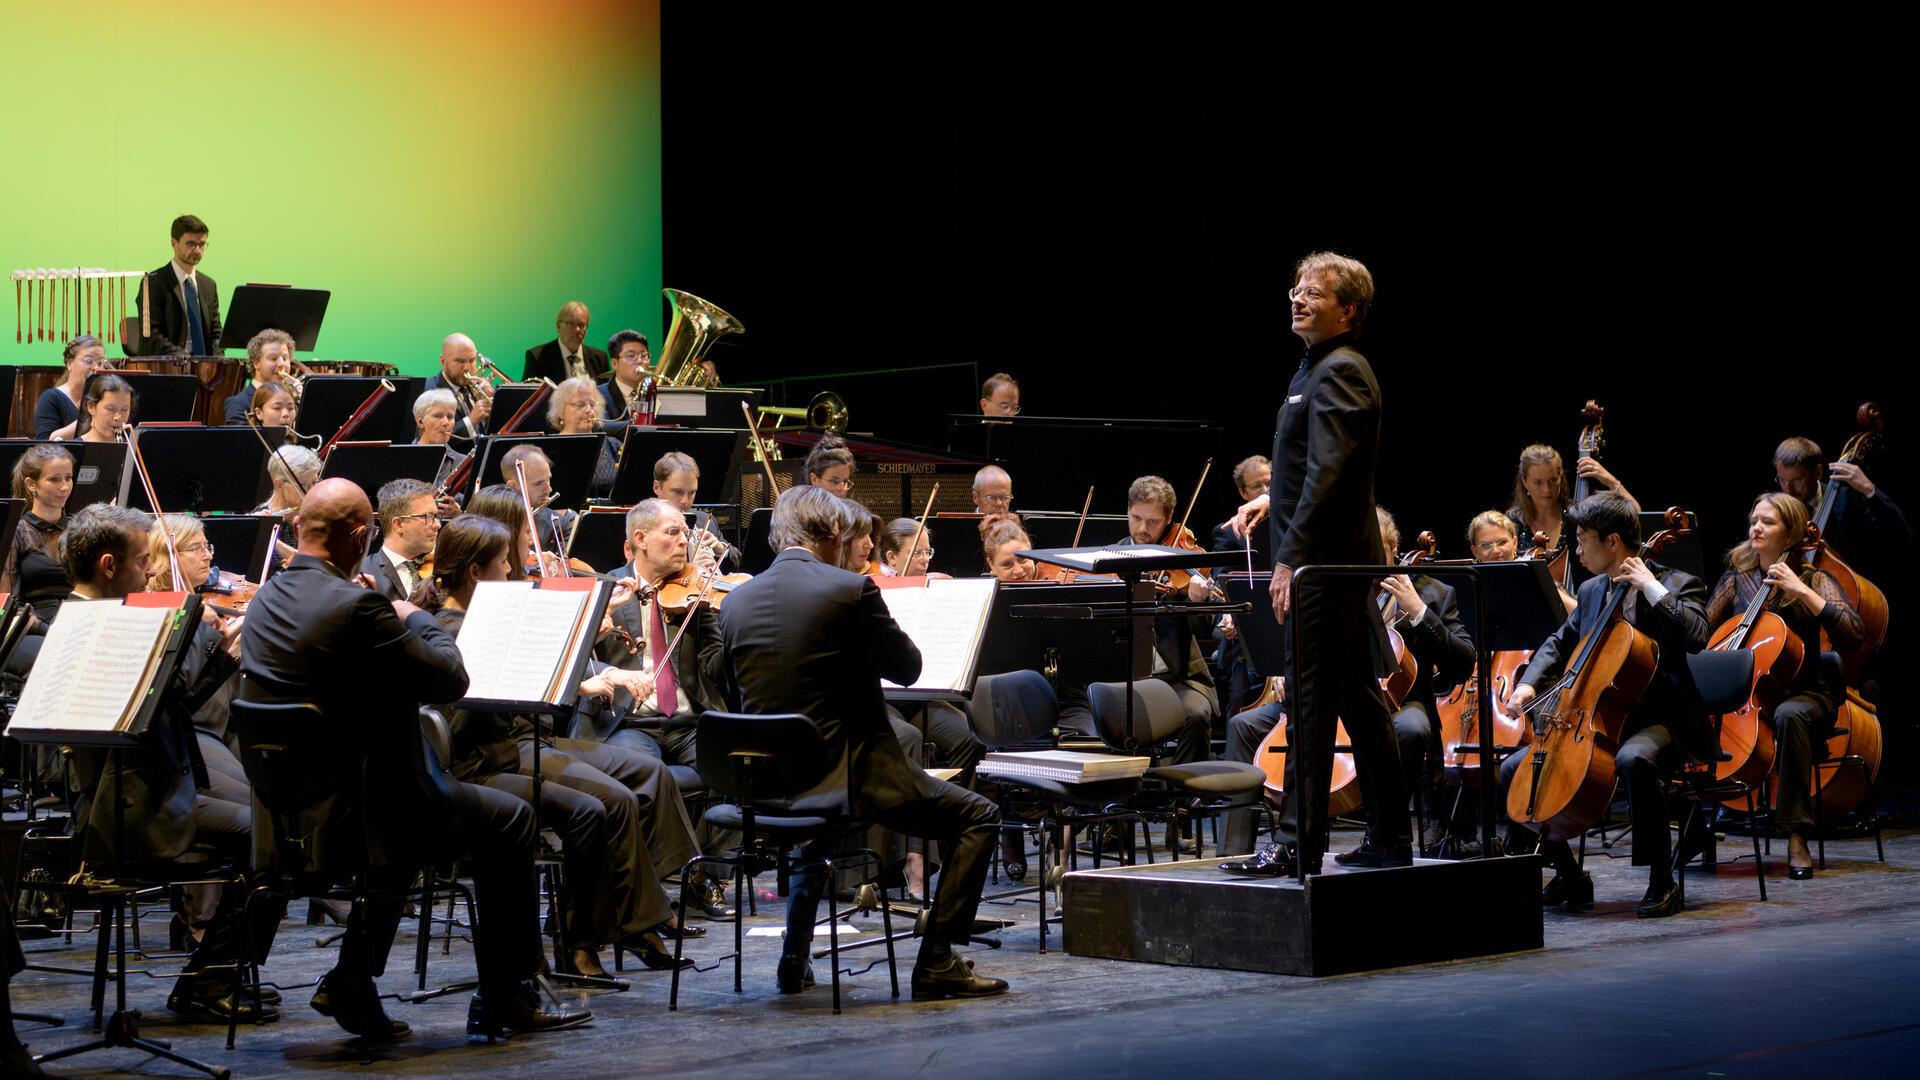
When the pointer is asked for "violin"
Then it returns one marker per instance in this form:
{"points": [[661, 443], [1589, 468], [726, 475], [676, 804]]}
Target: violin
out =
{"points": [[1565, 783], [687, 590], [1181, 537], [235, 593]]}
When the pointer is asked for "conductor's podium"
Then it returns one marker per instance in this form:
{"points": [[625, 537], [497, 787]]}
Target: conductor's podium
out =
{"points": [[1192, 914]]}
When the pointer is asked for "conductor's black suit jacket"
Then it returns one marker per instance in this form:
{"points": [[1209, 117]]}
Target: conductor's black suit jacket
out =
{"points": [[810, 638], [313, 635], [170, 336]]}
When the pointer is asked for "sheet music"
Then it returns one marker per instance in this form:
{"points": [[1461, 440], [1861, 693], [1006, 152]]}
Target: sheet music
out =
{"points": [[946, 620], [1141, 552], [113, 645], [519, 635], [486, 634]]}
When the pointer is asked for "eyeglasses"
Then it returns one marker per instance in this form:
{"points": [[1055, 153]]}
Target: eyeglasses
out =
{"points": [[838, 487], [997, 500], [195, 548], [430, 515], [1307, 293], [1490, 545]]}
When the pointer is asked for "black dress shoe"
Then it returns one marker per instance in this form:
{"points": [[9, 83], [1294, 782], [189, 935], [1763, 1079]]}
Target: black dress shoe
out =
{"points": [[355, 1006], [1659, 903], [710, 896], [1274, 860], [653, 953], [1571, 891], [1366, 857], [582, 961], [210, 997], [953, 979], [519, 1014], [793, 975], [1799, 873]]}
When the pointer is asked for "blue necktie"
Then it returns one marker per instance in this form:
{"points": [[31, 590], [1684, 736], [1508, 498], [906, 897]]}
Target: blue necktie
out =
{"points": [[196, 328]]}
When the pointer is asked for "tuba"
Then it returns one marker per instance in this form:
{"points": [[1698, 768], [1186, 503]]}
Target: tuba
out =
{"points": [[826, 412], [696, 325]]}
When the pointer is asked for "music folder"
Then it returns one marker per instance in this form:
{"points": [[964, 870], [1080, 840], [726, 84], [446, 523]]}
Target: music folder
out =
{"points": [[946, 618], [128, 652], [526, 643], [255, 307]]}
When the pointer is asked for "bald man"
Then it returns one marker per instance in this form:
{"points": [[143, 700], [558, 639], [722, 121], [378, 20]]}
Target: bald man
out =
{"points": [[567, 356], [473, 409], [313, 636], [993, 491]]}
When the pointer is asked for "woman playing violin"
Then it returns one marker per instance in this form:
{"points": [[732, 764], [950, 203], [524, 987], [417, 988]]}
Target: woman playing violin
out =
{"points": [[1808, 600], [1002, 538], [892, 546]]}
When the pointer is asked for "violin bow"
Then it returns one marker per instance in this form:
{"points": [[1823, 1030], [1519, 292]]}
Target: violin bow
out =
{"points": [[919, 531], [539, 556], [153, 500], [1174, 536], [1084, 509]]}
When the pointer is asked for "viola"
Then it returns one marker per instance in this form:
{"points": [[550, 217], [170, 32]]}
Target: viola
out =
{"points": [[1565, 782]]}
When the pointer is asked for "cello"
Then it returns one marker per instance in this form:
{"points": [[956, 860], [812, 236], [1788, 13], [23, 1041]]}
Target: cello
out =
{"points": [[1746, 734], [1565, 783]]}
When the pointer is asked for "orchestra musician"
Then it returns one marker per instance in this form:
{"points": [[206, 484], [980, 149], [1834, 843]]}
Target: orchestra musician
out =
{"points": [[830, 465], [270, 356], [273, 405], [1493, 536], [552, 525], [1869, 529], [57, 410], [1177, 656], [409, 522], [992, 490], [472, 395], [43, 476], [292, 470], [676, 478], [1541, 497], [1000, 395], [613, 889], [808, 637], [622, 391], [1325, 445], [576, 408], [567, 356], [1668, 722], [890, 550], [186, 319], [315, 637], [1808, 600], [105, 410], [1002, 538]]}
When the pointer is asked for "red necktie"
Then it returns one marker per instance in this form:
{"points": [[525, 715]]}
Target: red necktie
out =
{"points": [[664, 695]]}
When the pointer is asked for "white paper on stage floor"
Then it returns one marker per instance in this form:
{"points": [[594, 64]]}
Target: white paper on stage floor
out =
{"points": [[515, 638], [97, 658], [818, 931], [946, 620]]}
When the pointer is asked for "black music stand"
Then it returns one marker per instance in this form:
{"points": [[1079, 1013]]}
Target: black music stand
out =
{"points": [[203, 470], [717, 453], [243, 540], [507, 399], [574, 458], [11, 511], [599, 537], [756, 551], [1086, 651], [372, 465], [253, 308], [160, 397], [326, 401], [100, 472], [698, 408], [1523, 604]]}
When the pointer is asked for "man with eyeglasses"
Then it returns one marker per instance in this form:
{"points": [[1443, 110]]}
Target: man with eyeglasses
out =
{"points": [[567, 356], [993, 491], [1000, 396], [185, 320], [1325, 445], [1865, 525], [409, 524]]}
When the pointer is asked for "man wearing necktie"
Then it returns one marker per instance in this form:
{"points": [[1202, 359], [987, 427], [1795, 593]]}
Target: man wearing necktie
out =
{"points": [[409, 524], [567, 356], [186, 303]]}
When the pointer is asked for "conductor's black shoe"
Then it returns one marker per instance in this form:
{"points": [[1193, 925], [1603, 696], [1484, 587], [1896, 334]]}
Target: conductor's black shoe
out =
{"points": [[519, 1014], [355, 1006], [1367, 857], [710, 895], [1658, 903], [211, 997], [1572, 891], [794, 975], [1273, 860], [953, 979]]}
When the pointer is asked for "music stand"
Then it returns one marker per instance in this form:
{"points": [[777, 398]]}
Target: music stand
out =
{"points": [[326, 401], [1087, 651], [160, 397], [699, 408], [254, 308], [1523, 605], [203, 470], [507, 399], [600, 536], [756, 550], [11, 511], [100, 472], [372, 465], [716, 453], [574, 458], [243, 540]]}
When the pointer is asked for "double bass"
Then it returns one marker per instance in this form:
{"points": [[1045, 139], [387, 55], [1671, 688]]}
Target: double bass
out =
{"points": [[1565, 782], [1863, 595], [1593, 439]]}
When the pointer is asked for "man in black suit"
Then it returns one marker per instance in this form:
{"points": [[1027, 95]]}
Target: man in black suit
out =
{"points": [[567, 356], [1667, 724], [409, 524], [1325, 444], [186, 315], [313, 636], [808, 637], [473, 408]]}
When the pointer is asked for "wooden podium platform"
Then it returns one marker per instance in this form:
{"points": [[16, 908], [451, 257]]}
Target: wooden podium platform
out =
{"points": [[1189, 913]]}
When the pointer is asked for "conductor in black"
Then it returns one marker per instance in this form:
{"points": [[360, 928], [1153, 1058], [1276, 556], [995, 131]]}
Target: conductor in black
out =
{"points": [[1321, 511]]}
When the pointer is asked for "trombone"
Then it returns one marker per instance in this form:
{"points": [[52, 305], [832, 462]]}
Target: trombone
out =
{"points": [[826, 412]]}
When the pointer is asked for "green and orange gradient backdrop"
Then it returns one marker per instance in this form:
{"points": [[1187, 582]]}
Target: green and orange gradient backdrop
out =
{"points": [[438, 165]]}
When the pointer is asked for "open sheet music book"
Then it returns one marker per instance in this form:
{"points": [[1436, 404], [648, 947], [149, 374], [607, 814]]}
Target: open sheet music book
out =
{"points": [[523, 645], [946, 618], [96, 669], [1065, 766]]}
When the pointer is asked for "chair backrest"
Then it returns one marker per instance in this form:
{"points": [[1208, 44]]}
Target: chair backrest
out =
{"points": [[271, 737], [1724, 676], [436, 754], [1157, 713], [760, 756], [1012, 707]]}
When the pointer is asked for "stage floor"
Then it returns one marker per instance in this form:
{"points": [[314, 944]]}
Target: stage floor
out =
{"points": [[1818, 980]]}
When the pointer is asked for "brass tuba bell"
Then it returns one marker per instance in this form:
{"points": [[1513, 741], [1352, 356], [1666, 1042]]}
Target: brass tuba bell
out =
{"points": [[826, 412], [696, 325]]}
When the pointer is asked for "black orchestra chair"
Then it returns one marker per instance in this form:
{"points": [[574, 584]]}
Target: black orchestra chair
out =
{"points": [[1724, 678], [284, 785], [760, 762], [1181, 793], [1017, 710]]}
